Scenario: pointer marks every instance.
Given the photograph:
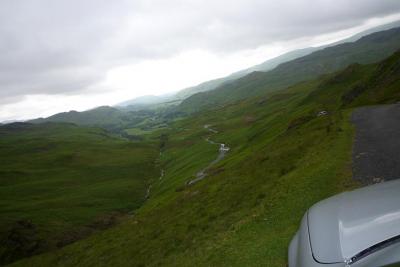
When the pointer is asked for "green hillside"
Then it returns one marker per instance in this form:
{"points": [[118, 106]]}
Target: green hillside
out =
{"points": [[284, 157], [369, 49], [60, 183], [105, 116], [117, 120], [274, 62]]}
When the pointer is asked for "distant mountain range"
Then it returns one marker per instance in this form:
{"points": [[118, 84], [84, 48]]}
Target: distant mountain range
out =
{"points": [[101, 116], [273, 74], [111, 118], [368, 49], [142, 100], [265, 66]]}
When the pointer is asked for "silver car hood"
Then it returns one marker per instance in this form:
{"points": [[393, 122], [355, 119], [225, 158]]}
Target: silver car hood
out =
{"points": [[348, 223]]}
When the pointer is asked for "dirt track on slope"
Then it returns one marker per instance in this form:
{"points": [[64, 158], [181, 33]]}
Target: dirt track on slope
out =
{"points": [[376, 149]]}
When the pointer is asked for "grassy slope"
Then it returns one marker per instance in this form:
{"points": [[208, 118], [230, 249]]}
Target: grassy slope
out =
{"points": [[369, 49], [283, 159], [60, 178]]}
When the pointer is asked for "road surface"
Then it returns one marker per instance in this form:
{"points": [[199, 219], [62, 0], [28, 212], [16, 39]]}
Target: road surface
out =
{"points": [[376, 150]]}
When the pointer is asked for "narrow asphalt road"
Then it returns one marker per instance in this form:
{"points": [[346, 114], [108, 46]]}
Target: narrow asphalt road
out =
{"points": [[376, 149], [223, 149]]}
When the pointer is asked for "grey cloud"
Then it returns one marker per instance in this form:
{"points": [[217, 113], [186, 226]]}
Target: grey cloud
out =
{"points": [[66, 47], [226, 26]]}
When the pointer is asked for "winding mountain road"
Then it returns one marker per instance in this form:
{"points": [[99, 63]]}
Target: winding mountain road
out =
{"points": [[376, 149], [223, 149]]}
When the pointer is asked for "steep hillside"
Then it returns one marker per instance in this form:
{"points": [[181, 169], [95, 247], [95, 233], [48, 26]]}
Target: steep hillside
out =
{"points": [[265, 66], [368, 49], [284, 156], [60, 183], [380, 28], [274, 62]]}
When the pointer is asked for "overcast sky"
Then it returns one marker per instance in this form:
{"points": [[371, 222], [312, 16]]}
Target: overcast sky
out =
{"points": [[59, 55]]}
